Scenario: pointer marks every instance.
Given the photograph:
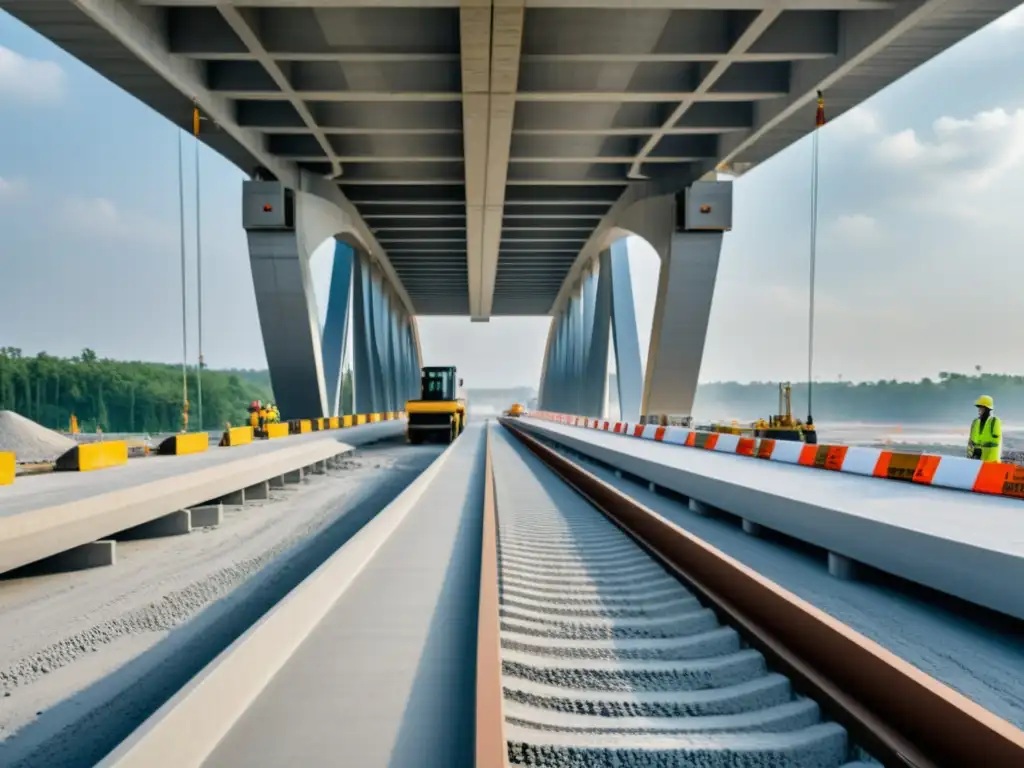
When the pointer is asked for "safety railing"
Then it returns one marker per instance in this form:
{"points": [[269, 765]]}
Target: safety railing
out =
{"points": [[952, 472]]}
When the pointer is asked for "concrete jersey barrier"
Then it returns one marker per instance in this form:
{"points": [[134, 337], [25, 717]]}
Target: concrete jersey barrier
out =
{"points": [[952, 472]]}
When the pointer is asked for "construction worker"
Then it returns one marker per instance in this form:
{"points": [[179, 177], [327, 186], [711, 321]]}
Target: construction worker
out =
{"points": [[254, 414], [986, 441]]}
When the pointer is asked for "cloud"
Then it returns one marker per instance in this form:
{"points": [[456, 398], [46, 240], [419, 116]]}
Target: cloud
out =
{"points": [[855, 226], [101, 218], [10, 188], [979, 150], [33, 80], [858, 122], [1010, 21]]}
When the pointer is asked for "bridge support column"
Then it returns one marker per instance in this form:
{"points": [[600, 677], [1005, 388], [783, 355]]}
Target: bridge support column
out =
{"points": [[575, 377], [686, 287], [335, 336], [279, 251]]}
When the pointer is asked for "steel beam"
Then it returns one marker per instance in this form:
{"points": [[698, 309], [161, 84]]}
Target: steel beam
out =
{"points": [[623, 323], [364, 371], [335, 336]]}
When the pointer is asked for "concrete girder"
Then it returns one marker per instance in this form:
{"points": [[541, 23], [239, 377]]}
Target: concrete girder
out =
{"points": [[711, 5], [491, 38], [743, 43], [860, 37], [139, 29], [245, 26]]}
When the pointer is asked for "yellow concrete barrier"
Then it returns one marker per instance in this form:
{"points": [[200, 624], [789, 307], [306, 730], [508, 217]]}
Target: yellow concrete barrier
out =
{"points": [[277, 430], [237, 436], [334, 423], [348, 421], [374, 418], [91, 456], [391, 415], [305, 425], [179, 445], [318, 425], [6, 467], [360, 419]]}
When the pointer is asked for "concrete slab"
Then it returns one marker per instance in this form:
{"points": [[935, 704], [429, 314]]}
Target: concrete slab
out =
{"points": [[964, 544], [366, 658], [751, 528], [174, 524], [124, 497], [233, 499], [841, 567], [94, 554], [51, 489], [258, 492], [207, 516], [383, 678]]}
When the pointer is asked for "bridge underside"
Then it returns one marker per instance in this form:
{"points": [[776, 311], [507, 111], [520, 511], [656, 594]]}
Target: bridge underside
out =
{"points": [[484, 157], [485, 148]]}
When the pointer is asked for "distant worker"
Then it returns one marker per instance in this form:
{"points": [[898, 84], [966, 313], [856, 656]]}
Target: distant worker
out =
{"points": [[986, 441], [254, 414]]}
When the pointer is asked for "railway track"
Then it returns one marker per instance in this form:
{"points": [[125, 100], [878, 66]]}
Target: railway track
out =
{"points": [[617, 639]]}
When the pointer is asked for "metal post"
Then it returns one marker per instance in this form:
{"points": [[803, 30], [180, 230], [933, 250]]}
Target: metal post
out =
{"points": [[184, 296], [199, 281]]}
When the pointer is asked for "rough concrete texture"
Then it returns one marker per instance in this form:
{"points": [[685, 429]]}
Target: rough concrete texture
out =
{"points": [[86, 657], [29, 441], [980, 657], [608, 661]]}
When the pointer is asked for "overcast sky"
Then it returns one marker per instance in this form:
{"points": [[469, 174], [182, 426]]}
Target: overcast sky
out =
{"points": [[920, 256]]}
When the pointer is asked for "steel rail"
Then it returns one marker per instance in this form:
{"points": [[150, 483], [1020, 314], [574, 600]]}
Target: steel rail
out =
{"points": [[898, 713], [491, 746]]}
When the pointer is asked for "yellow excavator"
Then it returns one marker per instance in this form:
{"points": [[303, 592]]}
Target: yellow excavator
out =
{"points": [[439, 414]]}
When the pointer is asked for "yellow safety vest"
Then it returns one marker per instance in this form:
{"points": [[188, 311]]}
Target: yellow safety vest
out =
{"points": [[987, 441]]}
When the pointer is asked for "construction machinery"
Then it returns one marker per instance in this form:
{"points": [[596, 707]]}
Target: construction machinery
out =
{"points": [[439, 414], [783, 426], [516, 411]]}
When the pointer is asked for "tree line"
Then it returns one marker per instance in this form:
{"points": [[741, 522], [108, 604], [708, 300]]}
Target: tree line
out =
{"points": [[947, 399], [121, 396]]}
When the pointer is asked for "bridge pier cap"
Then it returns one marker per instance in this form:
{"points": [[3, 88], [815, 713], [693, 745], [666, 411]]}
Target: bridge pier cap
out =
{"points": [[686, 287]]}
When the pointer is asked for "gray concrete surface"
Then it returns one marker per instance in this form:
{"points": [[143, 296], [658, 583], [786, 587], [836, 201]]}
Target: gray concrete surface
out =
{"points": [[387, 677], [37, 491], [87, 657], [87, 509], [207, 516], [983, 660], [963, 544]]}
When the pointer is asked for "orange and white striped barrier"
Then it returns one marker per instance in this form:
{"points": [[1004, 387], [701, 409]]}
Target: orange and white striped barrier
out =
{"points": [[971, 475]]}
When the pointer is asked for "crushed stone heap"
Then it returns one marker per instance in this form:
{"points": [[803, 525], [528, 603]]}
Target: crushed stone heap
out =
{"points": [[29, 441]]}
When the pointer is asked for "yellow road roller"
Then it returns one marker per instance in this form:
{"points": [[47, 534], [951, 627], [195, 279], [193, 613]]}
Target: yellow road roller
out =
{"points": [[439, 415]]}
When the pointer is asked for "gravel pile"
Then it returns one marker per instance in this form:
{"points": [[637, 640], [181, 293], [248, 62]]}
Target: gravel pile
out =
{"points": [[30, 442], [609, 661]]}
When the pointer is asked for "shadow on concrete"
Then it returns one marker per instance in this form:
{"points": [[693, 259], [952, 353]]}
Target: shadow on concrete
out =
{"points": [[82, 729]]}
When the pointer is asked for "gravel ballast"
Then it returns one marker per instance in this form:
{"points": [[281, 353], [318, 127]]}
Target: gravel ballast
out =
{"points": [[30, 442], [607, 660]]}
